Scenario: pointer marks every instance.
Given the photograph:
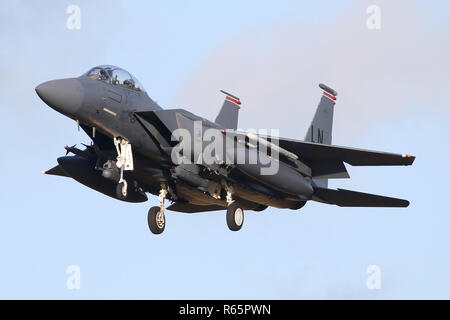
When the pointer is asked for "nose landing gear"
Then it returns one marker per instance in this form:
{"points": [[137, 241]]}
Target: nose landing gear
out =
{"points": [[124, 162], [122, 188]]}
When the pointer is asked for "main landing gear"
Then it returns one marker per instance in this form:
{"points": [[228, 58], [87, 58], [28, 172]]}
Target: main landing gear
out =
{"points": [[235, 213], [235, 217], [157, 221], [156, 218]]}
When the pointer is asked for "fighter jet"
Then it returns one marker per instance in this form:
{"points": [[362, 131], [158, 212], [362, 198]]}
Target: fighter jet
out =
{"points": [[138, 148]]}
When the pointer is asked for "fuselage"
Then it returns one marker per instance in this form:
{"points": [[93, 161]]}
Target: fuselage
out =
{"points": [[137, 144]]}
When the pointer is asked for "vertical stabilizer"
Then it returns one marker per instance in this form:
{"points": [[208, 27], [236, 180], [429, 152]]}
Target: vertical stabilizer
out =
{"points": [[228, 115], [320, 130]]}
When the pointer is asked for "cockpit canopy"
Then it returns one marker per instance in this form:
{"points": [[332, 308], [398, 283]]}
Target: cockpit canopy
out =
{"points": [[115, 76]]}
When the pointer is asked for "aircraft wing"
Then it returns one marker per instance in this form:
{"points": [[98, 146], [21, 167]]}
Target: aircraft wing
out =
{"points": [[316, 154], [352, 156], [323, 153]]}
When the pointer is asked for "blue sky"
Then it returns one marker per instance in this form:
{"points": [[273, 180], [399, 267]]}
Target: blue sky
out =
{"points": [[392, 97]]}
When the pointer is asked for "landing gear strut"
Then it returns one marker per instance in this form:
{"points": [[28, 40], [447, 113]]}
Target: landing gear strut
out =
{"points": [[235, 213], [156, 218], [124, 162], [122, 188]]}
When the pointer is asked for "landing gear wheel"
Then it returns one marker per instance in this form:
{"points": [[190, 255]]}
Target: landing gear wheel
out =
{"points": [[235, 217], [121, 190], [156, 220]]}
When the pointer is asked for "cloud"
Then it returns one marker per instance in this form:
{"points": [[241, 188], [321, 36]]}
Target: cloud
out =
{"points": [[380, 75]]}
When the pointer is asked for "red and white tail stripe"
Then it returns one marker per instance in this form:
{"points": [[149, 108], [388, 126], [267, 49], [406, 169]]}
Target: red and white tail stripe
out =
{"points": [[231, 98], [330, 96], [328, 92], [236, 101]]}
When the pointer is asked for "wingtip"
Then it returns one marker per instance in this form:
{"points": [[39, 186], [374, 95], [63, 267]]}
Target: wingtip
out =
{"points": [[404, 203], [409, 159]]}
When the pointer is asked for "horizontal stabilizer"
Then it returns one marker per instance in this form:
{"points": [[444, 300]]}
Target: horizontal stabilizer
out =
{"points": [[56, 171], [347, 198]]}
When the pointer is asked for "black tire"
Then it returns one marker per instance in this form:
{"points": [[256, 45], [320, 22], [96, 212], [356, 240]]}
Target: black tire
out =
{"points": [[155, 226], [119, 191], [235, 217]]}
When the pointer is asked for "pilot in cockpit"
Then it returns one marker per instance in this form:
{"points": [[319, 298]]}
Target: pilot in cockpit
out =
{"points": [[103, 75], [115, 76]]}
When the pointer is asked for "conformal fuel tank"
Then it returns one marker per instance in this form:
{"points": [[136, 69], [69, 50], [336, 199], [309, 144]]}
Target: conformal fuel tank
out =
{"points": [[276, 174]]}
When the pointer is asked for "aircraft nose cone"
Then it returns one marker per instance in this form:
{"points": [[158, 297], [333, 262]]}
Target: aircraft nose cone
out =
{"points": [[64, 95]]}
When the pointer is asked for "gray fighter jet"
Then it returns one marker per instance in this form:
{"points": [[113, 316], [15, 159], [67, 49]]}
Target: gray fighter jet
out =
{"points": [[138, 147]]}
